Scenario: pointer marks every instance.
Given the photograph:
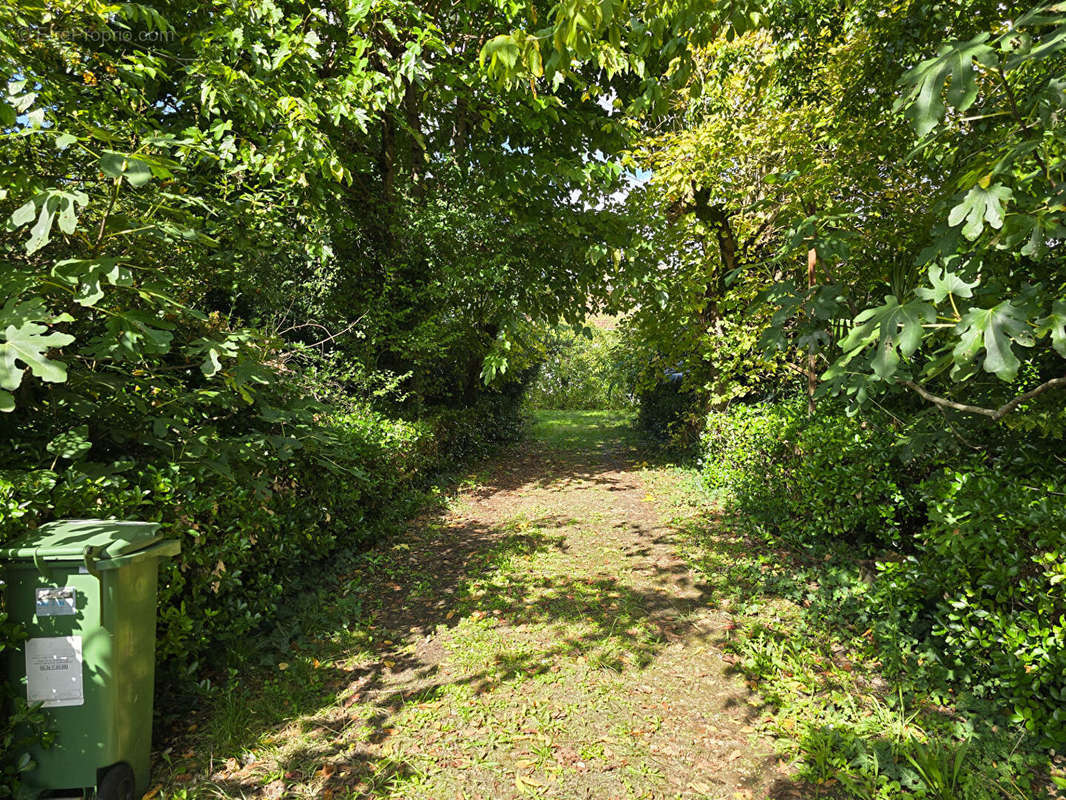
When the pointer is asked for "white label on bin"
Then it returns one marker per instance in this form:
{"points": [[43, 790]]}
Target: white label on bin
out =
{"points": [[53, 671], [56, 601]]}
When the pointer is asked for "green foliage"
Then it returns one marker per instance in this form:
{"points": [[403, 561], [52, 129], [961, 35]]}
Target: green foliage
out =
{"points": [[801, 632], [675, 380], [581, 370], [472, 432], [786, 174], [20, 725], [865, 200], [250, 244], [646, 42], [24, 347], [668, 413], [23, 726], [983, 588], [967, 591], [991, 248], [228, 271], [245, 535], [252, 530], [814, 480]]}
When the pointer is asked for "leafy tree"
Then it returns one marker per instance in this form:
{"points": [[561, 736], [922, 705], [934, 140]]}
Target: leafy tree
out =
{"points": [[788, 171]]}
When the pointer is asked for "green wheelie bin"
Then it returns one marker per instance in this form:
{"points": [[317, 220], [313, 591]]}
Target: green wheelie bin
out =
{"points": [[85, 590]]}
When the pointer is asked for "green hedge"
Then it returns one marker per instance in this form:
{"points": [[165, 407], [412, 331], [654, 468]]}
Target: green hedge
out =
{"points": [[241, 537], [251, 536], [984, 592], [810, 479], [969, 589], [671, 414]]}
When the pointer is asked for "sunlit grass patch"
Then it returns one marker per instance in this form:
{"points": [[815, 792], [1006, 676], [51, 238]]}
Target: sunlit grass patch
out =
{"points": [[584, 431]]}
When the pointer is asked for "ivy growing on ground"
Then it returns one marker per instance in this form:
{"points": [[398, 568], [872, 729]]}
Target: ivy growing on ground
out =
{"points": [[965, 558]]}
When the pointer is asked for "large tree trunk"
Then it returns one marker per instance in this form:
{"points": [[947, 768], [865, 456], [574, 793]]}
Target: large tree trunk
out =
{"points": [[717, 216], [387, 159], [412, 107]]}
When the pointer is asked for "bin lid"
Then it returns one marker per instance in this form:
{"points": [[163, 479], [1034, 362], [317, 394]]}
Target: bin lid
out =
{"points": [[68, 538]]}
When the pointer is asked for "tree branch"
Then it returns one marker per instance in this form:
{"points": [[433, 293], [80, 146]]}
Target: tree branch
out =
{"points": [[284, 356], [1023, 124], [995, 414], [116, 185]]}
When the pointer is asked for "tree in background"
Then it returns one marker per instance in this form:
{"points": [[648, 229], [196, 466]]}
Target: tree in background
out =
{"points": [[583, 368]]}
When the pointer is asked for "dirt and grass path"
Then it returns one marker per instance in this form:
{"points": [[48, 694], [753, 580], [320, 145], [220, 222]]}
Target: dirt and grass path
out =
{"points": [[541, 636]]}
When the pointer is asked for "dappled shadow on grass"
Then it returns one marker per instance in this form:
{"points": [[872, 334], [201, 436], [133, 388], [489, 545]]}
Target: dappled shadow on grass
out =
{"points": [[365, 648], [398, 678], [801, 637]]}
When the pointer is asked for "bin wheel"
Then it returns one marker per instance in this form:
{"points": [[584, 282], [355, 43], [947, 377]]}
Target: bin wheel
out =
{"points": [[117, 784]]}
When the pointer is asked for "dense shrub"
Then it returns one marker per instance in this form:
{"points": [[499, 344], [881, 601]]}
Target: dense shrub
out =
{"points": [[498, 417], [668, 412], [671, 406], [246, 537], [809, 479], [969, 588], [984, 593], [251, 534], [21, 725]]}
